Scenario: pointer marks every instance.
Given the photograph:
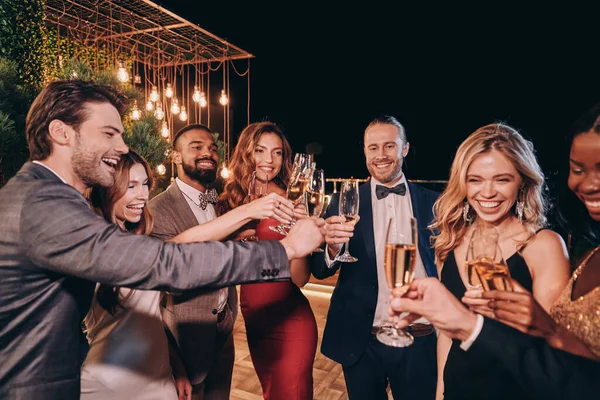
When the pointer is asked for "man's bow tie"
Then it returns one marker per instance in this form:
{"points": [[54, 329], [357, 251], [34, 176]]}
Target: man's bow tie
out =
{"points": [[382, 191], [210, 196]]}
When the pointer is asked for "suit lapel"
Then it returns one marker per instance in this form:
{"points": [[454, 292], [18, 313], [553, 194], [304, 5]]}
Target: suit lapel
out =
{"points": [[422, 221], [366, 222], [184, 216]]}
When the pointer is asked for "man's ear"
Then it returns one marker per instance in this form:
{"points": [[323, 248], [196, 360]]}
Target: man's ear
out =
{"points": [[60, 132], [176, 157], [405, 149]]}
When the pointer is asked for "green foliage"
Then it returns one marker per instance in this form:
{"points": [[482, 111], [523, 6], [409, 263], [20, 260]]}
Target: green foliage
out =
{"points": [[144, 137], [220, 147], [22, 38]]}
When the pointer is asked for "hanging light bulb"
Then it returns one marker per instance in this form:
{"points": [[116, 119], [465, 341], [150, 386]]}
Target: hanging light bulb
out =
{"points": [[161, 169], [74, 75], [183, 114], [175, 106], [149, 105], [223, 99], [164, 131], [154, 94], [225, 174], [135, 112], [122, 74], [196, 95], [159, 113], [203, 102], [169, 91], [137, 79]]}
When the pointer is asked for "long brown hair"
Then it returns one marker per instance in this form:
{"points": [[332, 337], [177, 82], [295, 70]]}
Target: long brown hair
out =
{"points": [[449, 207], [242, 165], [103, 201]]}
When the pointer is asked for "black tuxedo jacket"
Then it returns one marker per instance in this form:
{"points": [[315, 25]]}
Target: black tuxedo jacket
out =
{"points": [[353, 303], [542, 371]]}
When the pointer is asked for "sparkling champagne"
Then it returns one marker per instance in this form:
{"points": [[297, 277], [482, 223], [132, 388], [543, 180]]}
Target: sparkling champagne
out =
{"points": [[315, 202], [492, 275], [399, 264], [297, 189], [351, 219]]}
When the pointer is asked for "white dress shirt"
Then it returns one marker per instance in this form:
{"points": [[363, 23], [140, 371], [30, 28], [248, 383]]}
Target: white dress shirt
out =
{"points": [[399, 208], [192, 196]]}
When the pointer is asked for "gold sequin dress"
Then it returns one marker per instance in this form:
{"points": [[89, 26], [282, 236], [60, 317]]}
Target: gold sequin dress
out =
{"points": [[582, 315]]}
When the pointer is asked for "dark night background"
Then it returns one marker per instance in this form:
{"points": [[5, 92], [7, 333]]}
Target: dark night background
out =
{"points": [[323, 72]]}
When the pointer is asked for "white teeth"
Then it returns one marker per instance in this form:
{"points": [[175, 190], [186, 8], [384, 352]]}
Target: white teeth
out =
{"points": [[592, 204], [489, 204], [137, 207], [111, 161], [383, 165]]}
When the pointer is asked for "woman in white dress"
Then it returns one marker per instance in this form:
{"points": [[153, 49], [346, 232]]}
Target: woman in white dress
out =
{"points": [[129, 354]]}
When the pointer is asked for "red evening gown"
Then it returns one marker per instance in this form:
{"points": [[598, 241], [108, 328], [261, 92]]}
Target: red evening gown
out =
{"points": [[281, 331]]}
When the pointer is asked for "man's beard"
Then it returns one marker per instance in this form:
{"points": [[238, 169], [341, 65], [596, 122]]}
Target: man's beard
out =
{"points": [[200, 175], [88, 167], [391, 176]]}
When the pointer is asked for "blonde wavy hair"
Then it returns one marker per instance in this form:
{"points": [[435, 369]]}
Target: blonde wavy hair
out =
{"points": [[242, 165], [448, 209]]}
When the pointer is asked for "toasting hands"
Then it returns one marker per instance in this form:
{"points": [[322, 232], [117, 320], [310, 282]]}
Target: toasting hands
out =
{"points": [[271, 206], [305, 236], [337, 233], [429, 298]]}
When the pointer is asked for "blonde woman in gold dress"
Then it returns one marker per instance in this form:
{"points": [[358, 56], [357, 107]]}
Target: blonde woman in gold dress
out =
{"points": [[574, 321]]}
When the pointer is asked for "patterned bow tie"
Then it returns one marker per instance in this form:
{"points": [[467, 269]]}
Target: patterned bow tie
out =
{"points": [[382, 191], [210, 196]]}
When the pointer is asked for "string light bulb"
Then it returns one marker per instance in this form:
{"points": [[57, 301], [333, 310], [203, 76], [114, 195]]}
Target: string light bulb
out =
{"points": [[149, 105], [203, 102], [223, 99], [135, 112], [175, 106], [122, 74], [169, 91], [74, 75], [159, 113], [137, 79], [183, 114], [225, 174], [161, 169], [196, 95], [154, 94], [164, 131]]}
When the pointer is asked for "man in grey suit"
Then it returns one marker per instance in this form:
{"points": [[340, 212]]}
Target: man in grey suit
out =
{"points": [[200, 322], [52, 245]]}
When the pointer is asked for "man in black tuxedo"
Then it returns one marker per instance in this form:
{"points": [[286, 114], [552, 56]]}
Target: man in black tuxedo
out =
{"points": [[542, 371], [360, 301]]}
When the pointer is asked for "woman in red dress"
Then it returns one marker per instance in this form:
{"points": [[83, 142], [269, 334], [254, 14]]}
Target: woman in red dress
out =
{"points": [[280, 325]]}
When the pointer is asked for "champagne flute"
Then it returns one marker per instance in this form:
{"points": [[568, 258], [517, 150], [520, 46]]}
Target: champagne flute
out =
{"points": [[485, 267], [315, 196], [295, 192], [348, 207], [399, 264], [256, 190]]}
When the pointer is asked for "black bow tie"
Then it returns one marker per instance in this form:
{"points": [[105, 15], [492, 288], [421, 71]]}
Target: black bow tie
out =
{"points": [[210, 196], [382, 191]]}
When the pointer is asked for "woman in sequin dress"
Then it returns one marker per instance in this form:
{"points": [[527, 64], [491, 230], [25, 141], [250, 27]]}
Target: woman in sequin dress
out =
{"points": [[574, 321]]}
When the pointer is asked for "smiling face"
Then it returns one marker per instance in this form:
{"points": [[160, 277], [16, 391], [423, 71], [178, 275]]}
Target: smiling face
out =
{"points": [[98, 145], [584, 171], [130, 206], [385, 152], [196, 152], [493, 185], [268, 156]]}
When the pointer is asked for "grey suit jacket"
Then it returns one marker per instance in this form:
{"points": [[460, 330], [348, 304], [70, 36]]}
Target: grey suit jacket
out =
{"points": [[52, 245], [190, 317]]}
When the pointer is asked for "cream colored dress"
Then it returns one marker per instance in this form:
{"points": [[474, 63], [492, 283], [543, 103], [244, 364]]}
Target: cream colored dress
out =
{"points": [[129, 355], [580, 316]]}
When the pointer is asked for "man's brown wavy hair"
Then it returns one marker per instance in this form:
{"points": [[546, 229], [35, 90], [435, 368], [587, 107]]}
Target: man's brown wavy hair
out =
{"points": [[242, 165]]}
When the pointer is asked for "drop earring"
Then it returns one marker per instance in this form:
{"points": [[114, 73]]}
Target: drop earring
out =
{"points": [[465, 212], [520, 209]]}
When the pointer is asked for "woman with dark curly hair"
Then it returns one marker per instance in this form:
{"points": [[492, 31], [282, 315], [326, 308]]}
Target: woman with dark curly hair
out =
{"points": [[280, 325]]}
